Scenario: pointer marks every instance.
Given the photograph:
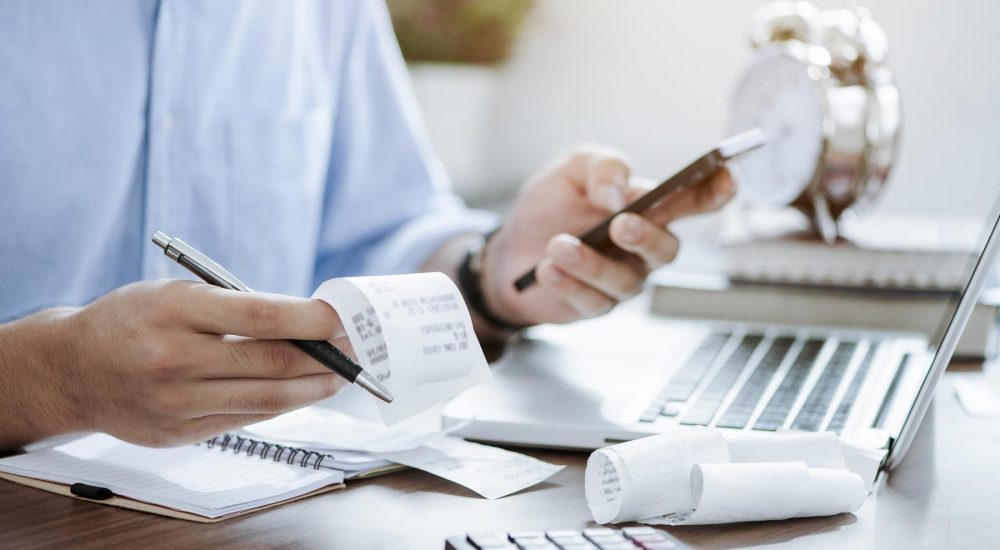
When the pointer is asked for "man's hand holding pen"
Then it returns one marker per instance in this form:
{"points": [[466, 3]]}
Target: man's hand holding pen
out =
{"points": [[169, 362]]}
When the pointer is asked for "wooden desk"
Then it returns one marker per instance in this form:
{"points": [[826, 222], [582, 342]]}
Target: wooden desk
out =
{"points": [[942, 496]]}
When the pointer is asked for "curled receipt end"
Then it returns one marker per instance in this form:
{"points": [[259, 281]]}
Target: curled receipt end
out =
{"points": [[413, 334], [700, 476]]}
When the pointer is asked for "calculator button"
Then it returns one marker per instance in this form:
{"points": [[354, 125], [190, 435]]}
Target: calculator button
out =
{"points": [[624, 545], [651, 537], [487, 541], [584, 546], [607, 539], [562, 533], [659, 545], [569, 539], [597, 531], [518, 535], [534, 543], [634, 531]]}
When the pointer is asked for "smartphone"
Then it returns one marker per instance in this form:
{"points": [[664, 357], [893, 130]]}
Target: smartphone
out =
{"points": [[693, 174]]}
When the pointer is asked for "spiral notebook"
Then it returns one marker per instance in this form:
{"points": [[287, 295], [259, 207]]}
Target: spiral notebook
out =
{"points": [[225, 477]]}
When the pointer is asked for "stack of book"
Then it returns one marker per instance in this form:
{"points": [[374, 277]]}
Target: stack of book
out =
{"points": [[899, 274]]}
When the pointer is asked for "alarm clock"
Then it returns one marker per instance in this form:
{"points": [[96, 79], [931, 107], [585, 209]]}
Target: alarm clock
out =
{"points": [[819, 88]]}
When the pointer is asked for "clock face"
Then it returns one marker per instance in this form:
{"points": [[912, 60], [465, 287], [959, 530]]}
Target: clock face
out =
{"points": [[778, 96]]}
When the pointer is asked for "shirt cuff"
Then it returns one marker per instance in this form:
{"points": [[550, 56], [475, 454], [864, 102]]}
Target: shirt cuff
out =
{"points": [[406, 250]]}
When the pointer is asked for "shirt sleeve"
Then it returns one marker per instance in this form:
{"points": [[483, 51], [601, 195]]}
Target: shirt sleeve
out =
{"points": [[388, 203]]}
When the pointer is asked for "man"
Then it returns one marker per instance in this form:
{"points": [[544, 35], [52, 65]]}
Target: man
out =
{"points": [[282, 139]]}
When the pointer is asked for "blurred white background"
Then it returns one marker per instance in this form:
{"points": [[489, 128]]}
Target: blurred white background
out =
{"points": [[654, 77]]}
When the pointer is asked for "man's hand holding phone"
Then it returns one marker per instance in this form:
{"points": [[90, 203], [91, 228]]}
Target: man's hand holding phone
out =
{"points": [[567, 199]]}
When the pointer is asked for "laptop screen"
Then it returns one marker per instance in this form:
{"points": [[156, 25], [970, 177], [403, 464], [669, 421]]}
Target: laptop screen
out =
{"points": [[958, 307]]}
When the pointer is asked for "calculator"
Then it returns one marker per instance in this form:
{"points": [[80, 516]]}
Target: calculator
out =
{"points": [[597, 538]]}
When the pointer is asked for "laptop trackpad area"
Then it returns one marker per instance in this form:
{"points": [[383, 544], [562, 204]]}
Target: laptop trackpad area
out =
{"points": [[572, 386]]}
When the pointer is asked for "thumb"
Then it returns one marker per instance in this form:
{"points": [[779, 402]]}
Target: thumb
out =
{"points": [[605, 175]]}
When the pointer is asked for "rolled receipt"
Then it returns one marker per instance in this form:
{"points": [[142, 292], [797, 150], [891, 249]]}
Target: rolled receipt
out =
{"points": [[704, 476], [649, 477], [413, 333], [758, 491]]}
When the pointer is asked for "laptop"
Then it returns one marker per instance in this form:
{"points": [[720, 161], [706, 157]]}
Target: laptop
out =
{"points": [[631, 374]]}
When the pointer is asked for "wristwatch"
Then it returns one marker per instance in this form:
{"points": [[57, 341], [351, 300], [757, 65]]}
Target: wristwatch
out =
{"points": [[471, 282]]}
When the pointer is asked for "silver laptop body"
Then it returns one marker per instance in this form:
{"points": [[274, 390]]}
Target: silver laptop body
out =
{"points": [[631, 374]]}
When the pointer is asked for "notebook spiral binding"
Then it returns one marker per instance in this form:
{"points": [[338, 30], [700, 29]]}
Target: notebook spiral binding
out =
{"points": [[250, 446]]}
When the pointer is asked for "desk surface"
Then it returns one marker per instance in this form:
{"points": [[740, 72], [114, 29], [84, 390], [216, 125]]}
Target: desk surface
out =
{"points": [[940, 496]]}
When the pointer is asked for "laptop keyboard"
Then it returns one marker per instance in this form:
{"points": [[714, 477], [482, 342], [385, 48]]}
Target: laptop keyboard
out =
{"points": [[781, 402], [699, 393], [739, 412], [814, 409], [840, 415], [682, 385]]}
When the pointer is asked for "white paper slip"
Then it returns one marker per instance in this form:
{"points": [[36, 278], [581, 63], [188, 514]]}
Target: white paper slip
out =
{"points": [[703, 475], [320, 428], [489, 471], [413, 333]]}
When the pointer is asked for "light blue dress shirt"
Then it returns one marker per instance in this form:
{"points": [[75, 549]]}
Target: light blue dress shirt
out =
{"points": [[279, 137]]}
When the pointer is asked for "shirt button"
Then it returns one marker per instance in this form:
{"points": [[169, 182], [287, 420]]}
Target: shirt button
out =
{"points": [[167, 122]]}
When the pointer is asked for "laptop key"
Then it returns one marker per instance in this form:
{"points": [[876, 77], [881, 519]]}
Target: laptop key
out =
{"points": [[672, 408], [781, 402], [651, 414], [703, 410]]}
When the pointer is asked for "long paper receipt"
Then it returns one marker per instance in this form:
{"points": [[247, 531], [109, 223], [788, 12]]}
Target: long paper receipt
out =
{"points": [[413, 333], [705, 476], [489, 471]]}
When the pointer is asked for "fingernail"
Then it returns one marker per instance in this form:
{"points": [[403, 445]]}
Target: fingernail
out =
{"points": [[631, 229], [566, 249], [611, 197], [550, 274]]}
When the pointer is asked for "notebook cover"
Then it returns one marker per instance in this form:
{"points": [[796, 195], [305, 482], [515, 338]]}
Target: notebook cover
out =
{"points": [[124, 502]]}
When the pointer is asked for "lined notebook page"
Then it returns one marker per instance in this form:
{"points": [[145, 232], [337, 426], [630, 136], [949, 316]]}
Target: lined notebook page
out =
{"points": [[196, 479]]}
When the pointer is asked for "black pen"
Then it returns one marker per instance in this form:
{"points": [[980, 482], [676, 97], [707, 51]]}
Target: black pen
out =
{"points": [[320, 350]]}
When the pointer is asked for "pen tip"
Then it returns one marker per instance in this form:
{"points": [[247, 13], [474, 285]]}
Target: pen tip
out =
{"points": [[373, 386]]}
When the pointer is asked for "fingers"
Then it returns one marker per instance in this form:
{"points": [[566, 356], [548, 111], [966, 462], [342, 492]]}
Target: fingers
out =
{"points": [[653, 244], [604, 174], [236, 357], [699, 199], [585, 300], [214, 310], [615, 278], [207, 427], [250, 396]]}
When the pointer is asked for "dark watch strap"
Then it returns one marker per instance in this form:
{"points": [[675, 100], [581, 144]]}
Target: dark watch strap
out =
{"points": [[470, 281]]}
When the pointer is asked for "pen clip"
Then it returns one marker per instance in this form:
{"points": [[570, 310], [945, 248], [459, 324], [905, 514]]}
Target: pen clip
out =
{"points": [[185, 254]]}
